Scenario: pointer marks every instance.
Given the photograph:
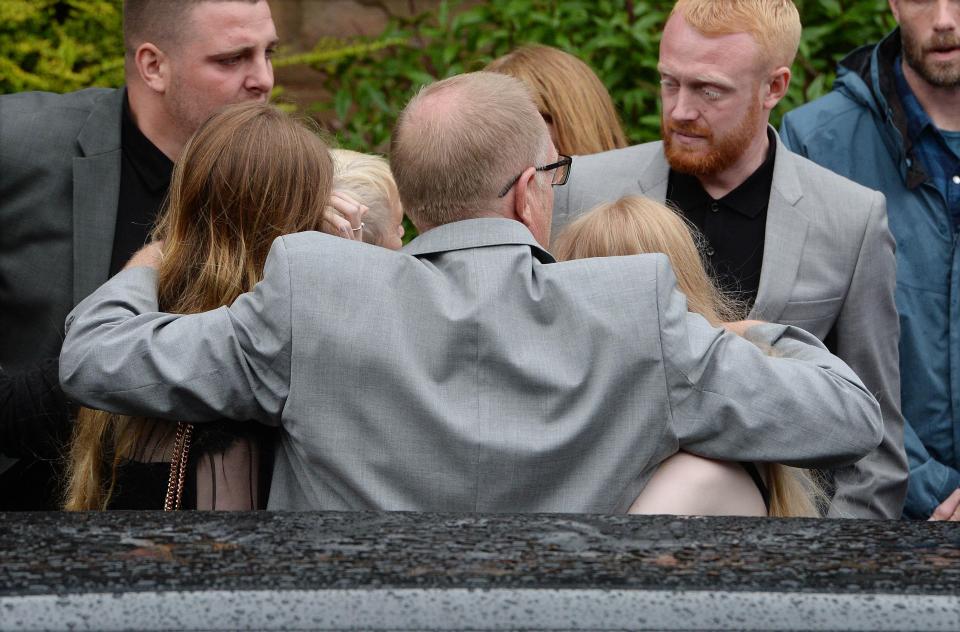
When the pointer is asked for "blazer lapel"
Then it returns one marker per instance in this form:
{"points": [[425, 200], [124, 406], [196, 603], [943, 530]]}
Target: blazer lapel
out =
{"points": [[655, 175], [96, 189], [785, 235]]}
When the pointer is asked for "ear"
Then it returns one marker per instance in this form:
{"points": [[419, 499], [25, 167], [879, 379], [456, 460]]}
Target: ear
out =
{"points": [[153, 67], [523, 202], [776, 87], [895, 9]]}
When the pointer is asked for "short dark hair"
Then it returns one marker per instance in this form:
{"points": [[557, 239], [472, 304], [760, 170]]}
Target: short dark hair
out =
{"points": [[157, 21]]}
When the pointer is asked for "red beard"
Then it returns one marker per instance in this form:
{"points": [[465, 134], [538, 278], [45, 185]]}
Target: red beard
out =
{"points": [[716, 154]]}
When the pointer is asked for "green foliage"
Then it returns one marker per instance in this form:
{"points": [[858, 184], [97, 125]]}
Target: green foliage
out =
{"points": [[831, 29], [63, 45], [617, 38], [60, 45]]}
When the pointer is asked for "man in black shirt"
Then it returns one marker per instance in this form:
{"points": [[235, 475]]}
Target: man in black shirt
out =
{"points": [[82, 176], [797, 243], [732, 227]]}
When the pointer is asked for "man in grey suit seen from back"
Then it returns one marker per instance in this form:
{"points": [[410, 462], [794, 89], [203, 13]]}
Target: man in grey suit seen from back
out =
{"points": [[797, 243], [469, 371]]}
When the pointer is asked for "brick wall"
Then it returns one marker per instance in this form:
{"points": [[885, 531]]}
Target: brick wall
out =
{"points": [[300, 23]]}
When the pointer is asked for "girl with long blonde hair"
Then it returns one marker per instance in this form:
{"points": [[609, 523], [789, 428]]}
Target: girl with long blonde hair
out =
{"points": [[685, 483], [249, 175], [367, 177]]}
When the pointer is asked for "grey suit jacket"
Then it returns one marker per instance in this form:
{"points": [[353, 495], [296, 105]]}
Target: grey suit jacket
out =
{"points": [[828, 266], [467, 373], [59, 184]]}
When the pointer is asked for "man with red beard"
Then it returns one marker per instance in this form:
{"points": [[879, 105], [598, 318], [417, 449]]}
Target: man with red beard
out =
{"points": [[796, 243], [892, 123]]}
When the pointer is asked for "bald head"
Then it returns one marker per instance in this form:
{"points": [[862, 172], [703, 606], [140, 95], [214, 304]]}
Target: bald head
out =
{"points": [[459, 142]]}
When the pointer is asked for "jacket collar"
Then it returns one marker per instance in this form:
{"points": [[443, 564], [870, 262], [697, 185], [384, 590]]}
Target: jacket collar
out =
{"points": [[655, 172], [100, 133], [786, 231], [784, 239], [476, 233], [866, 77], [96, 188]]}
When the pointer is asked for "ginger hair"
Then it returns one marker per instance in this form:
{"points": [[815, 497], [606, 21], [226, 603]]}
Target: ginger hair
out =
{"points": [[773, 24], [569, 95]]}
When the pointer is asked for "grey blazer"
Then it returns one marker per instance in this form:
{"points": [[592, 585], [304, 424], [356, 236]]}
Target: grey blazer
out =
{"points": [[59, 184], [467, 373], [828, 266]]}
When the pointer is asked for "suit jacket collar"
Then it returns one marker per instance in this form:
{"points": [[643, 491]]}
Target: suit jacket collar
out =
{"points": [[786, 232], [476, 233], [655, 174], [786, 225], [100, 133], [96, 187]]}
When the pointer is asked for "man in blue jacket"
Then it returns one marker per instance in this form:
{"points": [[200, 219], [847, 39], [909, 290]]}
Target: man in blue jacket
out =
{"points": [[892, 123]]}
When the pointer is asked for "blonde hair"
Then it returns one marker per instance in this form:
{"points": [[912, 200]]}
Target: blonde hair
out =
{"points": [[774, 24], [567, 91], [249, 175], [635, 225], [459, 141], [368, 178]]}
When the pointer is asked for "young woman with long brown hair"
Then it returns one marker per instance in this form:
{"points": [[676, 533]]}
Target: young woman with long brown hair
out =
{"points": [[685, 483], [248, 175]]}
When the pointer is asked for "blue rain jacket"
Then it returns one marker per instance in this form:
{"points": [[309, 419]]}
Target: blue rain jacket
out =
{"points": [[859, 131]]}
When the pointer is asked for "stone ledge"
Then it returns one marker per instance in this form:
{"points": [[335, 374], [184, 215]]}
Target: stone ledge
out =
{"points": [[456, 571]]}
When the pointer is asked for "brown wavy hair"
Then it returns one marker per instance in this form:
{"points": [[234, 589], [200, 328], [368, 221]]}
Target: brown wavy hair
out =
{"points": [[635, 225], [248, 175], [569, 95]]}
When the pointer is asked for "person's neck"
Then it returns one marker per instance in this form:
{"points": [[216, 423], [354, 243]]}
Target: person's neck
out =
{"points": [[152, 120], [720, 184], [942, 105]]}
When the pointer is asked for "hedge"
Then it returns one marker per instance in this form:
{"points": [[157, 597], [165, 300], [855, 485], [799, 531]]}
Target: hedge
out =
{"points": [[63, 45]]}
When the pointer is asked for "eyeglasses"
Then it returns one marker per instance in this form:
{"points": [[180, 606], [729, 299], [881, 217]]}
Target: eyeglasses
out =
{"points": [[560, 176]]}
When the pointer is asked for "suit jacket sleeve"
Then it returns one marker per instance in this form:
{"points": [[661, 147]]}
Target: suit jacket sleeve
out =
{"points": [[121, 355], [868, 331], [797, 404]]}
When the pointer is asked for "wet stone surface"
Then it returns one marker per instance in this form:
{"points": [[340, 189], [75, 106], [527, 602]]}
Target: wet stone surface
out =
{"points": [[59, 553]]}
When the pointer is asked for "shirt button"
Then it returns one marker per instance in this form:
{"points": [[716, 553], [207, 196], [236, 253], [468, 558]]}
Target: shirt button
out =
{"points": [[956, 179], [710, 251], [714, 207]]}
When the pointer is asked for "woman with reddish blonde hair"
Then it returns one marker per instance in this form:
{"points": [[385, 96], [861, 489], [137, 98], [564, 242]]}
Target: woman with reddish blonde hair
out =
{"points": [[571, 98]]}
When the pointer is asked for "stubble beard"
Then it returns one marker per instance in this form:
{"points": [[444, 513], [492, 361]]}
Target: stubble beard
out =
{"points": [[942, 74], [186, 112], [720, 153]]}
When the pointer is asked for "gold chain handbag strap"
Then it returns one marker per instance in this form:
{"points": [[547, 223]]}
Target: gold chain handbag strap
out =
{"points": [[178, 467]]}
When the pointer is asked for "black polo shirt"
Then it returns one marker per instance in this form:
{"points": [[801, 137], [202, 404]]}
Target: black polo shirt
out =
{"points": [[733, 226], [144, 179]]}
